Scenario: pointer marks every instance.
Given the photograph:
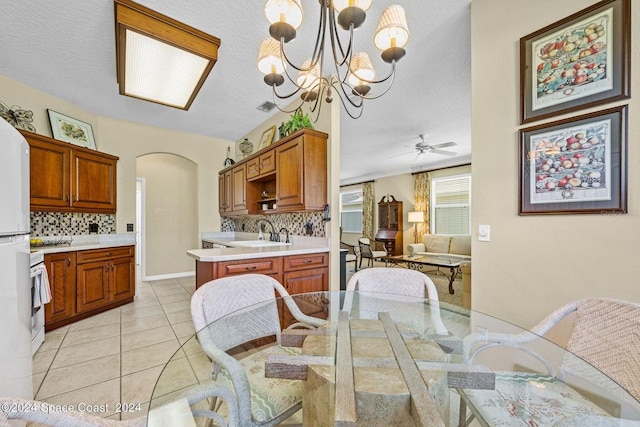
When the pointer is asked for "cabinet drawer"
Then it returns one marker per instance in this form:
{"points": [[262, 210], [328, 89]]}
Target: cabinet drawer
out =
{"points": [[253, 168], [301, 262], [261, 266], [102, 254]]}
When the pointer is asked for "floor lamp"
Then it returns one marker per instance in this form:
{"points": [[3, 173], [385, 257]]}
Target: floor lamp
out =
{"points": [[416, 218]]}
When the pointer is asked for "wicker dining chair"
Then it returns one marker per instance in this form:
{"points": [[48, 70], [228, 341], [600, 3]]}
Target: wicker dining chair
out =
{"points": [[606, 334], [243, 308], [383, 289]]}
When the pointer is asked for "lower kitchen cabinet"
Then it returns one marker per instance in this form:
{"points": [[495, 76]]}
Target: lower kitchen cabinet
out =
{"points": [[61, 269], [297, 273], [91, 281]]}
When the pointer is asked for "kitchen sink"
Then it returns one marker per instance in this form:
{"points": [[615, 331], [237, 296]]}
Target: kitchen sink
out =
{"points": [[256, 243]]}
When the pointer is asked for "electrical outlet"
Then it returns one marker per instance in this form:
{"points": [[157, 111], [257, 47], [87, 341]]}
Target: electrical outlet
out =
{"points": [[93, 227], [129, 227]]}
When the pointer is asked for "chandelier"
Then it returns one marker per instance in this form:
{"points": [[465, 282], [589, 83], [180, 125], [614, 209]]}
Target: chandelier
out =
{"points": [[354, 74]]}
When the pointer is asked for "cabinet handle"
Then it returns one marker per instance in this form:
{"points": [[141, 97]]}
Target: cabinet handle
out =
{"points": [[112, 267], [69, 262], [75, 198], [250, 268], [67, 197], [108, 253], [307, 261], [106, 268]]}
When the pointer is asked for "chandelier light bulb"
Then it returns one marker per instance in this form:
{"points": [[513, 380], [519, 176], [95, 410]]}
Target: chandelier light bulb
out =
{"points": [[270, 57], [361, 69], [339, 5]]}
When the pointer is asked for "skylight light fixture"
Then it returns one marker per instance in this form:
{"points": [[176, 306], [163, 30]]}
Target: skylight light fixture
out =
{"points": [[159, 59]]}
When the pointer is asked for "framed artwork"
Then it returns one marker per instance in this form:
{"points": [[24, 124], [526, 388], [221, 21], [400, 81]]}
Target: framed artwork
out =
{"points": [[576, 63], [68, 129], [576, 165], [267, 137]]}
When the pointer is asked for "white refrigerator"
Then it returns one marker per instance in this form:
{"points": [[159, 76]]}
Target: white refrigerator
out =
{"points": [[15, 288]]}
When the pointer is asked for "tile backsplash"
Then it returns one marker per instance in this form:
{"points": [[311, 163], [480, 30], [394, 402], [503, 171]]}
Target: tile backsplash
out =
{"points": [[294, 222], [45, 224]]}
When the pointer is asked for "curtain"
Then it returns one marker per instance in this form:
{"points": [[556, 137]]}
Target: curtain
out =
{"points": [[367, 210], [421, 195]]}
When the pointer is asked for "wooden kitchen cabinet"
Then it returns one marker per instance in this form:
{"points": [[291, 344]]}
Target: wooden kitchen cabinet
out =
{"points": [[224, 192], [261, 166], [68, 178], [61, 270], [104, 276], [88, 282], [232, 191], [302, 274], [301, 178], [293, 173]]}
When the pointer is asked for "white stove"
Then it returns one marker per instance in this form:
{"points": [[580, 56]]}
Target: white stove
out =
{"points": [[38, 273]]}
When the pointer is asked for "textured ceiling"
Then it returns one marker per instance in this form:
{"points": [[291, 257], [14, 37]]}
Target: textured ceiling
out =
{"points": [[66, 48]]}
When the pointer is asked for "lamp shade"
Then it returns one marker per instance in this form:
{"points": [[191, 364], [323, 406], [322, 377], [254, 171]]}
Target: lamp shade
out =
{"points": [[270, 57], [338, 5], [392, 29], [308, 76], [360, 69], [417, 217], [288, 11]]}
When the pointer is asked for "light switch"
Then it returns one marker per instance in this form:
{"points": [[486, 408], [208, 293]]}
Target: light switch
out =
{"points": [[484, 233]]}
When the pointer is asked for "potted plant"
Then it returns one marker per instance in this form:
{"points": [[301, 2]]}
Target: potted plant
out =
{"points": [[296, 122]]}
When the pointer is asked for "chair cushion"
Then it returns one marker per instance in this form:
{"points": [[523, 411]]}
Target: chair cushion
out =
{"points": [[460, 245], [436, 243], [523, 399], [270, 397]]}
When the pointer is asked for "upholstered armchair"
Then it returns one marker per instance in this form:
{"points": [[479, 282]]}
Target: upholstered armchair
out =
{"points": [[370, 251]]}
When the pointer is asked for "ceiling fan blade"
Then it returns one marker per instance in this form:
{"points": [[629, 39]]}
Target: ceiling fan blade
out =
{"points": [[444, 152], [444, 144]]}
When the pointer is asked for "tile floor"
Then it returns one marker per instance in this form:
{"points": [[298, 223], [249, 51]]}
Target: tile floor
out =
{"points": [[117, 356]]}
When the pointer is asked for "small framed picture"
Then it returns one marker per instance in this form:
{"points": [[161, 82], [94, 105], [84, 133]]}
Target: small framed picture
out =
{"points": [[576, 165], [267, 137], [578, 62], [68, 129]]}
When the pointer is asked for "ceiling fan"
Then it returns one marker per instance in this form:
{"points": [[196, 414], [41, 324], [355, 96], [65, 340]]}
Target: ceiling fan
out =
{"points": [[422, 148]]}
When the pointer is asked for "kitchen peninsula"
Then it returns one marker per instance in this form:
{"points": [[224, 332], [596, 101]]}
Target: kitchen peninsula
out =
{"points": [[301, 265]]}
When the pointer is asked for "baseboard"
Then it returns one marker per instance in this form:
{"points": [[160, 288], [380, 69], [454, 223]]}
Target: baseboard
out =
{"points": [[169, 276]]}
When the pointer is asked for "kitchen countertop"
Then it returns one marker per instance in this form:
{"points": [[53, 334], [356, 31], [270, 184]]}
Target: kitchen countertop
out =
{"points": [[85, 242], [300, 245]]}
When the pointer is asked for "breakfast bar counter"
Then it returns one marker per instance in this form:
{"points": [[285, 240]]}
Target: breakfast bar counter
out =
{"points": [[302, 265]]}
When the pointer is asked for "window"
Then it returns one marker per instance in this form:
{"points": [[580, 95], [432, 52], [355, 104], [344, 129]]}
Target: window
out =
{"points": [[351, 211], [451, 205]]}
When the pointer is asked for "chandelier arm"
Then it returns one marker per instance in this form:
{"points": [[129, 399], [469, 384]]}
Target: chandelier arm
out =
{"points": [[335, 40], [392, 74], [284, 110], [358, 107], [343, 94], [393, 77]]}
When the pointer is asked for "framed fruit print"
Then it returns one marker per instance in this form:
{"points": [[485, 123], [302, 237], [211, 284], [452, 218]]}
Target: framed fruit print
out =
{"points": [[576, 165], [578, 62]]}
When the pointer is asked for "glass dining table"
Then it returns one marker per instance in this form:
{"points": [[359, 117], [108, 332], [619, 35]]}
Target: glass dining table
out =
{"points": [[390, 360]]}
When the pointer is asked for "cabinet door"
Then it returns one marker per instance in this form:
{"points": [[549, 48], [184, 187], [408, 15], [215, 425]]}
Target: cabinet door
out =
{"points": [[122, 280], [239, 189], [289, 179], [61, 269], [302, 281], [50, 173], [253, 168], [93, 285], [224, 192], [94, 182], [267, 163]]}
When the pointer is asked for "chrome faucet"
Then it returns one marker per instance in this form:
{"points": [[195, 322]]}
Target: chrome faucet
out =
{"points": [[286, 231], [273, 236]]}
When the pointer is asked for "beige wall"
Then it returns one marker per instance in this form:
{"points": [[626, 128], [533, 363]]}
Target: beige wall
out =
{"points": [[171, 226], [533, 264]]}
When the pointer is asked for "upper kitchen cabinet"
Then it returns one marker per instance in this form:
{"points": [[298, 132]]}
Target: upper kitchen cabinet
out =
{"points": [[288, 176], [67, 178]]}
